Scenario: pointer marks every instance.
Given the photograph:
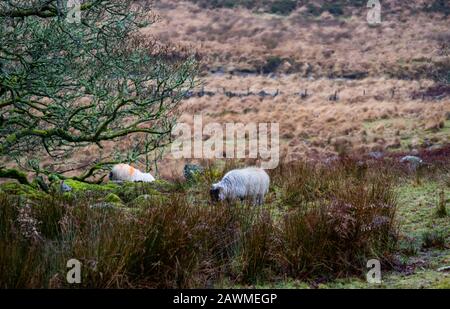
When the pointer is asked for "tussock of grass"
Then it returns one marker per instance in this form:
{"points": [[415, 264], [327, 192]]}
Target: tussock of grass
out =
{"points": [[433, 239], [441, 211]]}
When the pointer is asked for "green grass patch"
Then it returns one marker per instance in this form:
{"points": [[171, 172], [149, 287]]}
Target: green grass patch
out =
{"points": [[417, 208]]}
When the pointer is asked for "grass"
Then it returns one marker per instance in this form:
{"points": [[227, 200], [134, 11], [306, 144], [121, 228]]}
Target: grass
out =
{"points": [[410, 135], [415, 264], [320, 225], [168, 235], [418, 207], [323, 223]]}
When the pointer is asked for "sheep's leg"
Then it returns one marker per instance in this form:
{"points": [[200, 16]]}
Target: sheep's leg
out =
{"points": [[255, 200], [260, 199]]}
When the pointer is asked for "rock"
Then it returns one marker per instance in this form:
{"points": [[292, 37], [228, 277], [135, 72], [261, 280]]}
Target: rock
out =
{"points": [[376, 155], [412, 161], [444, 268], [65, 187]]}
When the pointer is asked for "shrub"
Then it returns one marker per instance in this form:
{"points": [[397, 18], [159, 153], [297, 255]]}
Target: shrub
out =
{"points": [[439, 6], [254, 258], [282, 7], [166, 251], [272, 64], [314, 10], [408, 247], [334, 9], [339, 218]]}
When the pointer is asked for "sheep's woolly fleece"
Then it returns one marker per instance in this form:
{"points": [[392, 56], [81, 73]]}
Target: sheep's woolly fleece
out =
{"points": [[248, 183], [125, 172]]}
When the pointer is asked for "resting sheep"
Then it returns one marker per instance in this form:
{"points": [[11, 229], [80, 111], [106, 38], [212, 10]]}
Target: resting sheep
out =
{"points": [[248, 183], [125, 172]]}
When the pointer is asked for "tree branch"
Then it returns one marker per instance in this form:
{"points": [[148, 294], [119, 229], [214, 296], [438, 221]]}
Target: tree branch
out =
{"points": [[45, 11]]}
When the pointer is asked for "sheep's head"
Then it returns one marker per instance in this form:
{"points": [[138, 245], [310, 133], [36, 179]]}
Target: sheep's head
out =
{"points": [[146, 177], [216, 193]]}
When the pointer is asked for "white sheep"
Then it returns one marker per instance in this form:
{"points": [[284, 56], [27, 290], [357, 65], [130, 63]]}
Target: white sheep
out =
{"points": [[248, 183], [125, 172], [413, 162]]}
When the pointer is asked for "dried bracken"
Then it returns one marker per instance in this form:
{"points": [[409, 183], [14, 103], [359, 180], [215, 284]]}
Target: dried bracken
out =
{"points": [[27, 224]]}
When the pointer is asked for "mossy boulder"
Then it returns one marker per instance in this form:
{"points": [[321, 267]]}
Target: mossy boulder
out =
{"points": [[113, 198], [78, 186], [129, 191], [15, 188], [110, 193], [162, 185]]}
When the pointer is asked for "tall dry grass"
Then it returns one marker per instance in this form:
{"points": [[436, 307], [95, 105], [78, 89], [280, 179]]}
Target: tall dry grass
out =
{"points": [[318, 222]]}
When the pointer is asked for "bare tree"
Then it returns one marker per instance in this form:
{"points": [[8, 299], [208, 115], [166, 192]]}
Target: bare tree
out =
{"points": [[67, 84]]}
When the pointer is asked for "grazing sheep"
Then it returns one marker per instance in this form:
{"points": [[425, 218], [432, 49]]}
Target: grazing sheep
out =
{"points": [[125, 172], [252, 183]]}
